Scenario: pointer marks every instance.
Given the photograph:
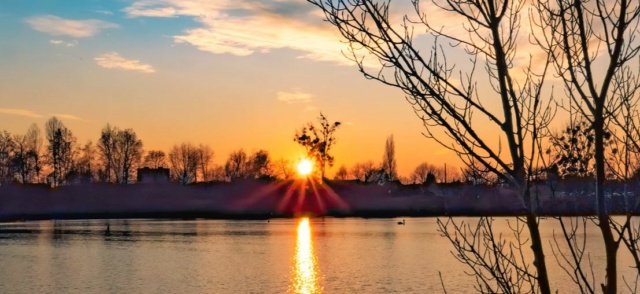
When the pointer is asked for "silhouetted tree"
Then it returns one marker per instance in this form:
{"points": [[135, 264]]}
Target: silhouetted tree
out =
{"points": [[217, 173], [85, 164], [34, 146], [107, 148], [389, 159], [451, 107], [22, 164], [183, 159], [205, 155], [6, 153], [61, 149], [259, 164], [284, 169], [128, 155], [423, 170], [594, 51], [363, 171], [342, 173], [318, 140], [155, 159], [121, 154], [236, 165]]}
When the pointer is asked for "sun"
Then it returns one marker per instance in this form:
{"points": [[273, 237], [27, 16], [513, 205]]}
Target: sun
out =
{"points": [[305, 167]]}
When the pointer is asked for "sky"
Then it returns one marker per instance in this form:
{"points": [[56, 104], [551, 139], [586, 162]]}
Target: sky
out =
{"points": [[231, 74]]}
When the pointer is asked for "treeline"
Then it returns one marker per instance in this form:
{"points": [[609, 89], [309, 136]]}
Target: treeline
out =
{"points": [[54, 157]]}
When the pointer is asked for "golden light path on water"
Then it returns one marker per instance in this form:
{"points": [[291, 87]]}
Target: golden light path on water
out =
{"points": [[305, 274]]}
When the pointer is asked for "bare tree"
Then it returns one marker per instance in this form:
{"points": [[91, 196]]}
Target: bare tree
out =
{"points": [[121, 154], [364, 170], [34, 145], [155, 159], [236, 165], [422, 171], [205, 155], [342, 173], [6, 153], [318, 140], [61, 149], [20, 159], [259, 164], [451, 107], [183, 159], [107, 148], [592, 45], [284, 169], [389, 159], [128, 154], [85, 165]]}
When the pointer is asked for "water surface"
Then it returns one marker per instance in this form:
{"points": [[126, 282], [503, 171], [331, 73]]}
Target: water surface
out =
{"points": [[221, 256]]}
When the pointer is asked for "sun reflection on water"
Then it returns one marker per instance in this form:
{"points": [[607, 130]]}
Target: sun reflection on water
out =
{"points": [[305, 274]]}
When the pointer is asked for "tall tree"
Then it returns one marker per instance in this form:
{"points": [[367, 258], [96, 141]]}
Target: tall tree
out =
{"points": [[205, 156], [107, 149], [452, 107], [259, 164], [318, 140], [34, 146], [20, 162], [183, 159], [389, 159], [85, 165], [128, 154], [236, 165], [61, 149], [6, 154], [594, 50]]}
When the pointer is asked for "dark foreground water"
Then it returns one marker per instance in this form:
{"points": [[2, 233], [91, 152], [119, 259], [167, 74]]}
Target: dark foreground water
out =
{"points": [[217, 256]]}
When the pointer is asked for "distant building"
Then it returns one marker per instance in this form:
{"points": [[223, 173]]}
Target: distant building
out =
{"points": [[147, 175]]}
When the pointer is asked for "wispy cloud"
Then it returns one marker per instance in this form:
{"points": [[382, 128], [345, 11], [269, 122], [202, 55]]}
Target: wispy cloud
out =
{"points": [[20, 112], [150, 9], [66, 116], [63, 43], [57, 26], [295, 96], [105, 12], [246, 27], [113, 60]]}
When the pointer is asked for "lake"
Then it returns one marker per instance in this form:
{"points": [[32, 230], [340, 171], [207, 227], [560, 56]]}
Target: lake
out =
{"points": [[223, 256]]}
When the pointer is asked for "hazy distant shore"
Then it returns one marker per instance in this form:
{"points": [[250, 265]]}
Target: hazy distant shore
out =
{"points": [[254, 199]]}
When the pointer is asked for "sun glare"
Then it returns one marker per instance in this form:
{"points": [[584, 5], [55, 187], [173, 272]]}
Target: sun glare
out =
{"points": [[305, 167], [305, 278]]}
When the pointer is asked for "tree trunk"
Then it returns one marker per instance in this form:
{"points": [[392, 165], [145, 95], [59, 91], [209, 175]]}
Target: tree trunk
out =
{"points": [[610, 245], [536, 245]]}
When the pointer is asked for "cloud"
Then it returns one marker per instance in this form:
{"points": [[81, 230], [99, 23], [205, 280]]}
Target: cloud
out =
{"points": [[113, 60], [105, 12], [63, 43], [295, 96], [66, 116], [20, 112], [247, 27], [57, 26]]}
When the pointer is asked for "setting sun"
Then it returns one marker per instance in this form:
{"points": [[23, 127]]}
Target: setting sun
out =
{"points": [[305, 167]]}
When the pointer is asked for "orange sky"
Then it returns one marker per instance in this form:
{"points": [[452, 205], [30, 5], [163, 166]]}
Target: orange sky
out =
{"points": [[231, 74]]}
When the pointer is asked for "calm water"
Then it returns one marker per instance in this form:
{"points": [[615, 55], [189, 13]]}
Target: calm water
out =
{"points": [[215, 256]]}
